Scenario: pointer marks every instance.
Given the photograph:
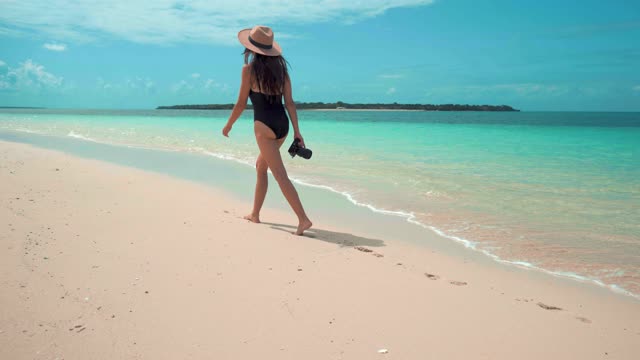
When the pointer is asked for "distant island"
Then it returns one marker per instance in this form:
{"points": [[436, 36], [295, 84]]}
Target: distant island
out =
{"points": [[345, 106]]}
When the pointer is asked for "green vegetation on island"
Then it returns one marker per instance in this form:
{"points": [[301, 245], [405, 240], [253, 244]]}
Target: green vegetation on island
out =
{"points": [[345, 106]]}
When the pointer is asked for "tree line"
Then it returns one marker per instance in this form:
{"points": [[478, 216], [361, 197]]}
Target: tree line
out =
{"points": [[346, 106]]}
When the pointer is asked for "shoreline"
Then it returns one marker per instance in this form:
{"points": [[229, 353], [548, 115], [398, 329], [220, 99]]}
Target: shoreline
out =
{"points": [[414, 231], [137, 259]]}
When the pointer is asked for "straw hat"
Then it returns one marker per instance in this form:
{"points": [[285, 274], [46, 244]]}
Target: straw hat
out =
{"points": [[259, 39]]}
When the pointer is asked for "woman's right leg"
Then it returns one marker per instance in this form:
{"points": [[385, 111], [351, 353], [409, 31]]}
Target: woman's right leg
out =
{"points": [[270, 152], [262, 184]]}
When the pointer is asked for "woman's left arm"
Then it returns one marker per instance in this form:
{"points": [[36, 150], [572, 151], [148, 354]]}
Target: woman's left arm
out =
{"points": [[241, 104]]}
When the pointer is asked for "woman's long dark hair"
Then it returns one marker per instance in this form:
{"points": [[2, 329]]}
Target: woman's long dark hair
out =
{"points": [[267, 72]]}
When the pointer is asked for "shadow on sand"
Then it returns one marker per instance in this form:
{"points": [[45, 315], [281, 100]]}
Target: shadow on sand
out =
{"points": [[342, 239]]}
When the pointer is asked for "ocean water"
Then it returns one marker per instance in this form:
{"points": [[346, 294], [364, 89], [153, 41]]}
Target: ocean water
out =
{"points": [[555, 191]]}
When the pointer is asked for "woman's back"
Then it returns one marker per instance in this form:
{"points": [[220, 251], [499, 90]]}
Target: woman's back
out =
{"points": [[268, 109]]}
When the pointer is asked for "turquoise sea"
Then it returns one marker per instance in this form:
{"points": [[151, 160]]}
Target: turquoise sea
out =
{"points": [[558, 191]]}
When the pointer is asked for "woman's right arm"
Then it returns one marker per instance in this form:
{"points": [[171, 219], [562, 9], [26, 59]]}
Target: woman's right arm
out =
{"points": [[241, 104], [291, 109]]}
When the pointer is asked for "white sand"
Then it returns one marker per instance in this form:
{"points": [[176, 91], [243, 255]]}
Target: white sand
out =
{"points": [[106, 262]]}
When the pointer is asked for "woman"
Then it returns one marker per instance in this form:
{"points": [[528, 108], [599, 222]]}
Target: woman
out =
{"points": [[265, 80]]}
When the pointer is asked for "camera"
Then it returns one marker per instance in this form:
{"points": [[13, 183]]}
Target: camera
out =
{"points": [[296, 149]]}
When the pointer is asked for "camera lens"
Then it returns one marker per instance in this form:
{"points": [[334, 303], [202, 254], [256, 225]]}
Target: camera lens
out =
{"points": [[305, 153]]}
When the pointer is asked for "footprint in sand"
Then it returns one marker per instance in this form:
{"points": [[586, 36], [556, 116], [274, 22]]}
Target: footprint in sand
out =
{"points": [[364, 249], [548, 307], [432, 276], [524, 299], [583, 319], [458, 283]]}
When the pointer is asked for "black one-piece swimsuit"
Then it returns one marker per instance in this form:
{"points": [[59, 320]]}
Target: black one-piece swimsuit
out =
{"points": [[268, 110]]}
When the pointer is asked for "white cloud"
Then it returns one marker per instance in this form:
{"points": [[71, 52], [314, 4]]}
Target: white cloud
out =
{"points": [[197, 84], [636, 88], [391, 91], [170, 21], [103, 84], [140, 83], [55, 47], [2, 63], [180, 86], [391, 76], [29, 76], [129, 85]]}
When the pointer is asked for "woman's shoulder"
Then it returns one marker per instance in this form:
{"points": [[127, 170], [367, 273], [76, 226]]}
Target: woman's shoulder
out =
{"points": [[246, 71]]}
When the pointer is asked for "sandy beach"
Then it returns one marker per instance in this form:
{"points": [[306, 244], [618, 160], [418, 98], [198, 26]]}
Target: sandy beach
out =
{"points": [[101, 261]]}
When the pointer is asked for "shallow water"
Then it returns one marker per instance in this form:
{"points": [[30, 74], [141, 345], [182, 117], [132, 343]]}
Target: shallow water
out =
{"points": [[559, 191]]}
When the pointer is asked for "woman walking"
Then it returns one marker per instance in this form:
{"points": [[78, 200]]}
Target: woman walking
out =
{"points": [[266, 81]]}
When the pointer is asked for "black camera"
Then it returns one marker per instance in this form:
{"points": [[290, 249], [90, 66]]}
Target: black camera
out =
{"points": [[296, 149]]}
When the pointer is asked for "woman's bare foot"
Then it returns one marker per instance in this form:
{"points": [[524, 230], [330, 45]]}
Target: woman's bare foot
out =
{"points": [[304, 225], [252, 218]]}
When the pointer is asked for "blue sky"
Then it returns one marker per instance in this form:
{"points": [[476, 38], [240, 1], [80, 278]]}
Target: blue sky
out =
{"points": [[533, 55]]}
